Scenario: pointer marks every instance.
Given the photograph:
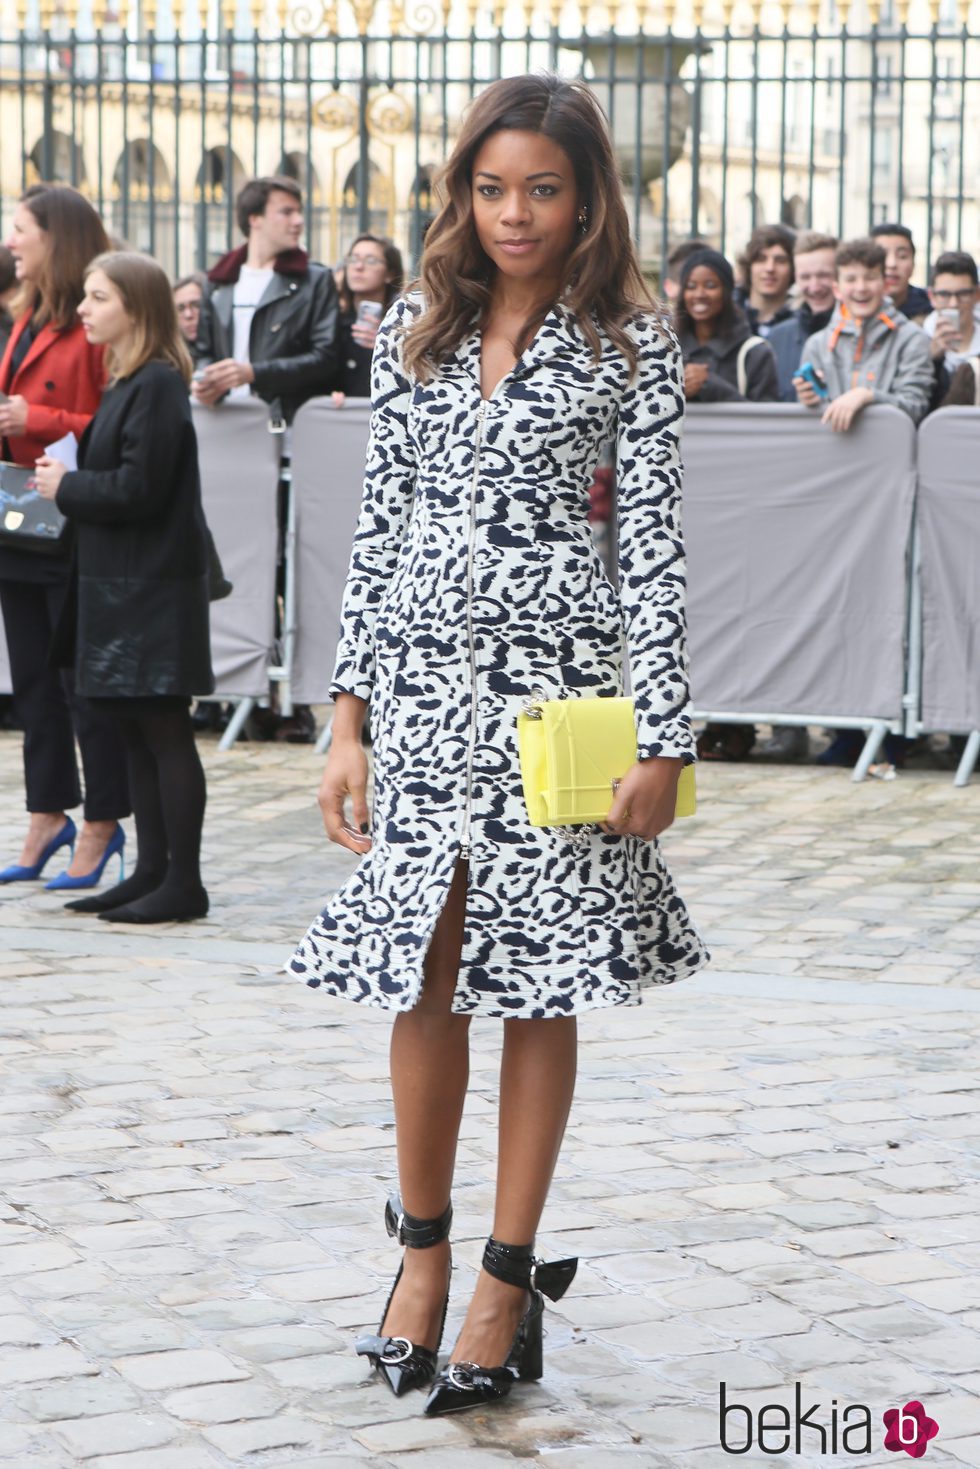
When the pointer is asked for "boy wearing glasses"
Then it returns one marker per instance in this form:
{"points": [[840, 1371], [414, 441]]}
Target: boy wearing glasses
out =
{"points": [[954, 324]]}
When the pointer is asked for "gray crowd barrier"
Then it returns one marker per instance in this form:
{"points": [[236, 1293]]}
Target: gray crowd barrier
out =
{"points": [[771, 495], [239, 461], [328, 452], [5, 684], [949, 577]]}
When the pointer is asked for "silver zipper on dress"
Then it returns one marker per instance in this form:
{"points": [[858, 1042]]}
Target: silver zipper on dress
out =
{"points": [[464, 837]]}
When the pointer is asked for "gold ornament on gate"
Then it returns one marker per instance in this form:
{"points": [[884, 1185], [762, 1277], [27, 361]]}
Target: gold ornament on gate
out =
{"points": [[389, 115], [335, 112]]}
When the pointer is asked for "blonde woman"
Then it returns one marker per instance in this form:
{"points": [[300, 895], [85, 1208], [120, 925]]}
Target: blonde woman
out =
{"points": [[473, 585], [139, 641]]}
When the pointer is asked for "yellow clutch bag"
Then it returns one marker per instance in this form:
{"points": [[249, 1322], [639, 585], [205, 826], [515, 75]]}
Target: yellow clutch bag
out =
{"points": [[573, 752]]}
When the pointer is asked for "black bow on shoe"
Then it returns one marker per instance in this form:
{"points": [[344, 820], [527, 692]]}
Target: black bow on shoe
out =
{"points": [[552, 1278], [517, 1265]]}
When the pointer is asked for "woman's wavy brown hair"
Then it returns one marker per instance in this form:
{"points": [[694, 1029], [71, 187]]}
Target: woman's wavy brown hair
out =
{"points": [[75, 235], [602, 283], [148, 298]]}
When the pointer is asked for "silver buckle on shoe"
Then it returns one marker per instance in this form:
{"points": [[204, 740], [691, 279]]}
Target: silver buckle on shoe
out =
{"points": [[532, 1277], [406, 1350], [464, 1383]]}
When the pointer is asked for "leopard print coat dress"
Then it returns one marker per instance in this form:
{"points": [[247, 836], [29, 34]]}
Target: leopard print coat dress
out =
{"points": [[473, 581]]}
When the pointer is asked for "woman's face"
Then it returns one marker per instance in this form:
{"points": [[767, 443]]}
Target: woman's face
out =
{"points": [[525, 204], [29, 245], [366, 269], [106, 321], [704, 294], [187, 300]]}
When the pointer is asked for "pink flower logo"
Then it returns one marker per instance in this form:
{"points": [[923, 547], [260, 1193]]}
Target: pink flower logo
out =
{"points": [[909, 1428]]}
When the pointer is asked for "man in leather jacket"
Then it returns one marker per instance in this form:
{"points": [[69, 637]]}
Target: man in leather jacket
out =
{"points": [[268, 326], [269, 319]]}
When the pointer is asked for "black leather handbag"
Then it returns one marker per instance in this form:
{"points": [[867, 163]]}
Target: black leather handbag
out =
{"points": [[26, 518]]}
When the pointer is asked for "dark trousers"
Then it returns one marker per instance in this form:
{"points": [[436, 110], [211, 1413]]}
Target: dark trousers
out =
{"points": [[52, 714]]}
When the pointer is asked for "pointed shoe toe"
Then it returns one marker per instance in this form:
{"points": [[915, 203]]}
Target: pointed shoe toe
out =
{"points": [[401, 1363], [464, 1385]]}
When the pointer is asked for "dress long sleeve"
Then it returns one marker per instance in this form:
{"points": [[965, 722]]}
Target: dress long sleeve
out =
{"points": [[389, 488], [651, 550]]}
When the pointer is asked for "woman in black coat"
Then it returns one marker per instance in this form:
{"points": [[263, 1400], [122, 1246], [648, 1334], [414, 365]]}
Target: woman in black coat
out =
{"points": [[136, 623]]}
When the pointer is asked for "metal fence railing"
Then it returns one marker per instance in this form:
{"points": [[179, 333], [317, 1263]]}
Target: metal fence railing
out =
{"points": [[820, 115]]}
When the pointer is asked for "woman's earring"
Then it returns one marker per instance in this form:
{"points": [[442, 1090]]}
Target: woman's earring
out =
{"points": [[583, 220]]}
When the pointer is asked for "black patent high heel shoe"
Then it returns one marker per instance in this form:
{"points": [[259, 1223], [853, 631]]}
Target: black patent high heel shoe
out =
{"points": [[463, 1385], [402, 1364]]}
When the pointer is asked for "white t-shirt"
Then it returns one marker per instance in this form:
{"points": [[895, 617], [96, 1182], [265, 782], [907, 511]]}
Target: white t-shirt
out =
{"points": [[967, 349], [250, 287]]}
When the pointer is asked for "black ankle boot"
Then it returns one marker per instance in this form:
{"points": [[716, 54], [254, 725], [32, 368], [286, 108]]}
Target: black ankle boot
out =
{"points": [[402, 1364], [463, 1385]]}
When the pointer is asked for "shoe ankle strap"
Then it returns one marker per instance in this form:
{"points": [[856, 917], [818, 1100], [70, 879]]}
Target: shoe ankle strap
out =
{"points": [[517, 1265], [416, 1234]]}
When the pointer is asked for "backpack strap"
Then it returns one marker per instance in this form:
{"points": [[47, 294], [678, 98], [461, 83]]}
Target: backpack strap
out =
{"points": [[975, 364], [741, 368]]}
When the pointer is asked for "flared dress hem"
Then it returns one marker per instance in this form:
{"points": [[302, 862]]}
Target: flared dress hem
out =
{"points": [[571, 989]]}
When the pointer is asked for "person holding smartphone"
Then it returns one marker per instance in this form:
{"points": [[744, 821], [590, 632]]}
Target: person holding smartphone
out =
{"points": [[373, 278], [135, 627], [954, 324]]}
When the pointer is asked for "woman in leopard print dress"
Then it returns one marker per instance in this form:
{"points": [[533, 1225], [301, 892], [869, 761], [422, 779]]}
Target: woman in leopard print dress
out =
{"points": [[473, 582]]}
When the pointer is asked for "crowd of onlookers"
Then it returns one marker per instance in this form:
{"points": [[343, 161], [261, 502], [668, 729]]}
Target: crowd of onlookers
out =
{"points": [[835, 327], [829, 324]]}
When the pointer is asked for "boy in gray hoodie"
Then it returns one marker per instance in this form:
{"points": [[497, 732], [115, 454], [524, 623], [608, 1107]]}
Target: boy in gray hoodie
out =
{"points": [[869, 352]]}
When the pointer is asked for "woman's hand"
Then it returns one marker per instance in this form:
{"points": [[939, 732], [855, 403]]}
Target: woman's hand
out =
{"points": [[365, 331], [13, 416], [644, 803], [48, 474], [695, 377], [346, 775], [338, 398]]}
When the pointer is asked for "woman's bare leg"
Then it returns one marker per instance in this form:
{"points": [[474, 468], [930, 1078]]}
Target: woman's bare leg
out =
{"points": [[537, 1080], [429, 1076]]}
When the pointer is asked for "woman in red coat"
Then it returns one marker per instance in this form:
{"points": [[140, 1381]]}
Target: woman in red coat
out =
{"points": [[53, 381]]}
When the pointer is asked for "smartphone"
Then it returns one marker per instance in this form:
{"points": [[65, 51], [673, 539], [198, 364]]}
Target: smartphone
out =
{"points": [[810, 375], [952, 315], [370, 311]]}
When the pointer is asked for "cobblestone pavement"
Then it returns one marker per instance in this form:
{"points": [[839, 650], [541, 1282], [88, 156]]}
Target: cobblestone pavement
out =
{"points": [[771, 1175]]}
